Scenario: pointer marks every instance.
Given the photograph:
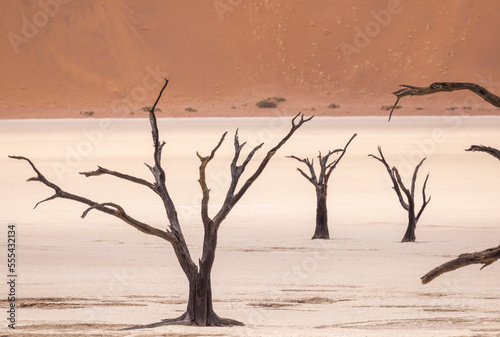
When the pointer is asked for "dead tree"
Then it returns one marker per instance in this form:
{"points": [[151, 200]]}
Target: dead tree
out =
{"points": [[487, 256], [320, 183], [400, 189], [484, 257], [409, 90], [199, 309]]}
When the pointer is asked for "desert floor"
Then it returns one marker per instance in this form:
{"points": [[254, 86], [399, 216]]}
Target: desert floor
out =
{"points": [[94, 276]]}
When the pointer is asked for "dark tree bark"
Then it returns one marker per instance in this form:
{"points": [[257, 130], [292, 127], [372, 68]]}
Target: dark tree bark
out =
{"points": [[199, 309], [409, 90], [485, 257], [481, 148], [320, 183], [400, 189]]}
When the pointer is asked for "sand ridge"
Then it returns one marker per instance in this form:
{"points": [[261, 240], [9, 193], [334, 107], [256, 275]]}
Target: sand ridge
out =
{"points": [[70, 58]]}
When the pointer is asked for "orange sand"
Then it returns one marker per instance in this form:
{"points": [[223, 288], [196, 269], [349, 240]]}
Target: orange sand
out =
{"points": [[62, 58]]}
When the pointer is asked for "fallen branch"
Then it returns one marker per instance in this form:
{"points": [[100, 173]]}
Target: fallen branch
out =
{"points": [[409, 90], [484, 257]]}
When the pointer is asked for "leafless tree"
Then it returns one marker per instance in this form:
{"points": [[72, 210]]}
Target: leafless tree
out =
{"points": [[400, 189], [199, 309], [484, 257], [410, 90], [487, 256], [320, 183]]}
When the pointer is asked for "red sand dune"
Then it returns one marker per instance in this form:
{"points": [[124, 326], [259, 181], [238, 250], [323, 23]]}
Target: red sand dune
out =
{"points": [[60, 57]]}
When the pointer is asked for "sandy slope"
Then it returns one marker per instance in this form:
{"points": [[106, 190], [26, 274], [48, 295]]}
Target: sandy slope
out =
{"points": [[223, 56], [94, 276]]}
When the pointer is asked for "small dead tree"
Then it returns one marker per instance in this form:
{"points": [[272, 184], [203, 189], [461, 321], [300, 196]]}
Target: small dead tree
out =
{"points": [[320, 183], [484, 257], [199, 309], [410, 90], [487, 256], [400, 189]]}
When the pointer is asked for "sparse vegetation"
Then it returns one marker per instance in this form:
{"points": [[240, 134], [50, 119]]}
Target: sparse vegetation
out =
{"points": [[389, 107], [148, 108], [270, 102], [189, 109], [87, 113], [333, 106]]}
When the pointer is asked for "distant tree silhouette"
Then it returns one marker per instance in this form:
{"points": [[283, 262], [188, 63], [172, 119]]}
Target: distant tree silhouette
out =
{"points": [[400, 189], [320, 183], [487, 256]]}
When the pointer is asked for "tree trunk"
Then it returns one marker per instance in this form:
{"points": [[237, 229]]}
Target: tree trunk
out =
{"points": [[410, 230], [200, 308], [321, 231]]}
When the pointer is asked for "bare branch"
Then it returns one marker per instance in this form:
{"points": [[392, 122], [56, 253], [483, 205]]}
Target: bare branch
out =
{"points": [[237, 170], [270, 154], [203, 181], [310, 164], [232, 196], [311, 180], [484, 257], [424, 198], [481, 148], [414, 178], [329, 168], [395, 185], [44, 200], [393, 107], [409, 90], [117, 212], [101, 170], [159, 174], [118, 208], [404, 189]]}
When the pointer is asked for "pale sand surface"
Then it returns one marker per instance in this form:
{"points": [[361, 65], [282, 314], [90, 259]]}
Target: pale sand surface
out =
{"points": [[94, 276]]}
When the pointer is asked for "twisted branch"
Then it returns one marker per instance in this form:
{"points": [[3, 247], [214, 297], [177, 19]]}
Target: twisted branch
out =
{"points": [[326, 168], [484, 257], [233, 196], [395, 185], [101, 170], [116, 210], [409, 90], [481, 148]]}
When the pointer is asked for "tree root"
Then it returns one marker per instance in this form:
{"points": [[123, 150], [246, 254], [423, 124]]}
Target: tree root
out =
{"points": [[185, 320]]}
